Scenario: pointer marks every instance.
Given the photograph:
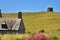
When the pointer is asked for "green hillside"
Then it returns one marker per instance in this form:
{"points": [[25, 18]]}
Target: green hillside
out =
{"points": [[35, 21], [48, 21]]}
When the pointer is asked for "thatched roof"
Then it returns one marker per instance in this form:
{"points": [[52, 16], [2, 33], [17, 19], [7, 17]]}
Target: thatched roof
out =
{"points": [[12, 23]]}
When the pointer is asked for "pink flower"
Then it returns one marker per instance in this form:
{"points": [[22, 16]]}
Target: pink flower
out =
{"points": [[39, 37]]}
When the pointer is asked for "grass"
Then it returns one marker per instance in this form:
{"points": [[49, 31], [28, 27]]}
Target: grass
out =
{"points": [[12, 36], [35, 21]]}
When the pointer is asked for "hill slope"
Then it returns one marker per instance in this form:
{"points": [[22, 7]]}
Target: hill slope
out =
{"points": [[35, 21], [48, 21]]}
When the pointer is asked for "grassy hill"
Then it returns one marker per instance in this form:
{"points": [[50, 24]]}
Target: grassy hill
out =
{"points": [[35, 21]]}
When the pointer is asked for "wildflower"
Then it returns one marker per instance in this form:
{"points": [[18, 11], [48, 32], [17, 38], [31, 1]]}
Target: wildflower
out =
{"points": [[40, 36]]}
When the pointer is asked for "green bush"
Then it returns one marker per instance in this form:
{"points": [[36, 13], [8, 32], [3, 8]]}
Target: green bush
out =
{"points": [[41, 31], [55, 38], [18, 39], [29, 32]]}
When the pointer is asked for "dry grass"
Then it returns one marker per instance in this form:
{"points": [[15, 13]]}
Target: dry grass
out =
{"points": [[49, 21]]}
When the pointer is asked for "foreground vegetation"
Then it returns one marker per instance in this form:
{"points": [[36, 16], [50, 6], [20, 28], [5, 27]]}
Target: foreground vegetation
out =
{"points": [[28, 37], [36, 21]]}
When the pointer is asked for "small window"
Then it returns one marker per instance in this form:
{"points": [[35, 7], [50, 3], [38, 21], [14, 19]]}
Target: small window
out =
{"points": [[4, 25]]}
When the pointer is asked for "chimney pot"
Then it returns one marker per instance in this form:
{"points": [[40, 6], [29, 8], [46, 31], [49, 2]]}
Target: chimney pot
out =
{"points": [[19, 15]]}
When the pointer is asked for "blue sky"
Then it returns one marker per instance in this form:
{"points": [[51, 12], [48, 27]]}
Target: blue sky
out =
{"points": [[28, 5]]}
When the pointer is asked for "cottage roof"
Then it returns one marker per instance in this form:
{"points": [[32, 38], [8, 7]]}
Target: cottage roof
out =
{"points": [[12, 23]]}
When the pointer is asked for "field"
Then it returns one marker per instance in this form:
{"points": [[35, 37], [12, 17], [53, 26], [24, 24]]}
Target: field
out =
{"points": [[36, 21]]}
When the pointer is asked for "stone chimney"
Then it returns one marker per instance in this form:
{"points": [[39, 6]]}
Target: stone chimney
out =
{"points": [[19, 15], [22, 26], [50, 9], [0, 13]]}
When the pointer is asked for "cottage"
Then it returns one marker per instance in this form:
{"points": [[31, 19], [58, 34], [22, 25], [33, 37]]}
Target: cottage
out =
{"points": [[12, 25], [50, 9]]}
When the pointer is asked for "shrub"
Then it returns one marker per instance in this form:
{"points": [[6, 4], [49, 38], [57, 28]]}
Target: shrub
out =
{"points": [[41, 31], [55, 38], [18, 39], [29, 32], [38, 37]]}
